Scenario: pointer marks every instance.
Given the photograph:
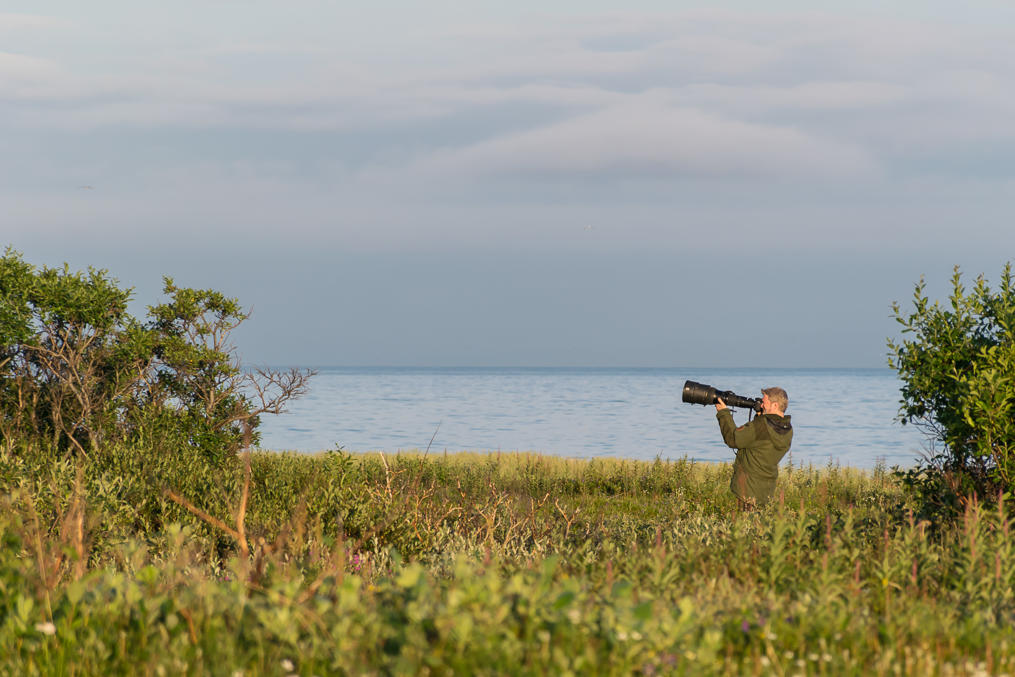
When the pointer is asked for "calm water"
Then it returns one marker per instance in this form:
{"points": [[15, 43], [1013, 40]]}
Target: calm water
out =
{"points": [[842, 416]]}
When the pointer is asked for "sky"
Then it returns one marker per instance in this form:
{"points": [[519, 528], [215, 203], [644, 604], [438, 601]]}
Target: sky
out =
{"points": [[518, 184]]}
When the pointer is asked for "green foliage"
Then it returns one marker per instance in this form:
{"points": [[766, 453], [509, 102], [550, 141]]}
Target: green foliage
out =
{"points": [[199, 387], [16, 281], [79, 373], [958, 375], [494, 564], [63, 364]]}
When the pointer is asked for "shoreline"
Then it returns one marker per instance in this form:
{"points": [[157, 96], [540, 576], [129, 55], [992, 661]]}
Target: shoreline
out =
{"points": [[787, 464]]}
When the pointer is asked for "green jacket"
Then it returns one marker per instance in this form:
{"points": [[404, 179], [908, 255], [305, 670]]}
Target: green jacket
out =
{"points": [[760, 445]]}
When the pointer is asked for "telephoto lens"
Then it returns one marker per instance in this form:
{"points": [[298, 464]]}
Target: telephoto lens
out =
{"points": [[699, 393]]}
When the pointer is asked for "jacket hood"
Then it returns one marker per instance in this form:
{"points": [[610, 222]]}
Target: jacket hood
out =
{"points": [[779, 424]]}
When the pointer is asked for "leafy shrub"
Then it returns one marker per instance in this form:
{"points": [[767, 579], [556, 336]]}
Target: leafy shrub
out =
{"points": [[79, 373], [958, 375]]}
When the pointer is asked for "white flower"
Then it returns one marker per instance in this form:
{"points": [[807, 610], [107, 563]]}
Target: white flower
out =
{"points": [[46, 628], [287, 665]]}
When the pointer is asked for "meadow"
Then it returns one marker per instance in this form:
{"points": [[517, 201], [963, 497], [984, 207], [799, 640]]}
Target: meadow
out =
{"points": [[129, 562]]}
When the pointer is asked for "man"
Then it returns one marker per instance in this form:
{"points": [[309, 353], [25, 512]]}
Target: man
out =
{"points": [[760, 445]]}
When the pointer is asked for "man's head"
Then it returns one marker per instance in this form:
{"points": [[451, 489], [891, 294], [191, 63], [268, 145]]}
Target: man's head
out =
{"points": [[774, 401]]}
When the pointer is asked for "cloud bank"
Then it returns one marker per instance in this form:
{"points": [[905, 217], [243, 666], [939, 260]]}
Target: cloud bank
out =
{"points": [[367, 136]]}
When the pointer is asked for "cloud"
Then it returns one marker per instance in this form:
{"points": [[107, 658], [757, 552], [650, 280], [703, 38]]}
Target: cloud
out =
{"points": [[650, 138], [730, 64], [19, 23], [841, 96], [701, 96], [21, 76]]}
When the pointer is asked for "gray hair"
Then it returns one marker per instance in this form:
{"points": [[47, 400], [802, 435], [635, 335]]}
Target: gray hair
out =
{"points": [[778, 397]]}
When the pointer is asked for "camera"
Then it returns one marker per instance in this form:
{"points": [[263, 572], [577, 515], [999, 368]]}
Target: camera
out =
{"points": [[699, 393]]}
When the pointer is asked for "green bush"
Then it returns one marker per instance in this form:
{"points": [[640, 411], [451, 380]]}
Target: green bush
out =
{"points": [[957, 366], [78, 373]]}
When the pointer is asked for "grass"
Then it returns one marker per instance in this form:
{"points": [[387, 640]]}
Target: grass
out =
{"points": [[488, 564]]}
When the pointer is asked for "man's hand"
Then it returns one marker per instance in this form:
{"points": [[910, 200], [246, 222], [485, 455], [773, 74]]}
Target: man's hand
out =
{"points": [[719, 404]]}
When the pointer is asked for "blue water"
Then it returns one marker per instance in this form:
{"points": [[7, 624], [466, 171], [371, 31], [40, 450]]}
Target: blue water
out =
{"points": [[840, 416]]}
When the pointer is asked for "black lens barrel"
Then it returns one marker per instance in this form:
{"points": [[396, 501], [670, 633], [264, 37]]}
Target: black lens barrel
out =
{"points": [[699, 393]]}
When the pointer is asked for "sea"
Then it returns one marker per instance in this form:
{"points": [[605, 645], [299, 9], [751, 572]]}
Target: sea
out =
{"points": [[841, 417]]}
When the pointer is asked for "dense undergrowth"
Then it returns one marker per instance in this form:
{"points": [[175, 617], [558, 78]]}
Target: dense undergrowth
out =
{"points": [[126, 562]]}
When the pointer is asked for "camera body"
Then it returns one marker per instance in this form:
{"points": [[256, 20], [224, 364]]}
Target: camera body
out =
{"points": [[699, 393]]}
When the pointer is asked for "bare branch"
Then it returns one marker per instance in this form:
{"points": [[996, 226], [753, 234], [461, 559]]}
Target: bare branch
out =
{"points": [[276, 388], [210, 519]]}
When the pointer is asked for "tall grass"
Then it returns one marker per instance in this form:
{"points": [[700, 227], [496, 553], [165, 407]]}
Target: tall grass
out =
{"points": [[489, 564]]}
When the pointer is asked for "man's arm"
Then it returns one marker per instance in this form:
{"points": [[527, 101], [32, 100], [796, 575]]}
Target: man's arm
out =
{"points": [[734, 437]]}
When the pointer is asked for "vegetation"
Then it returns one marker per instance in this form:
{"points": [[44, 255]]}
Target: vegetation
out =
{"points": [[140, 537], [78, 371], [958, 383], [486, 564]]}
